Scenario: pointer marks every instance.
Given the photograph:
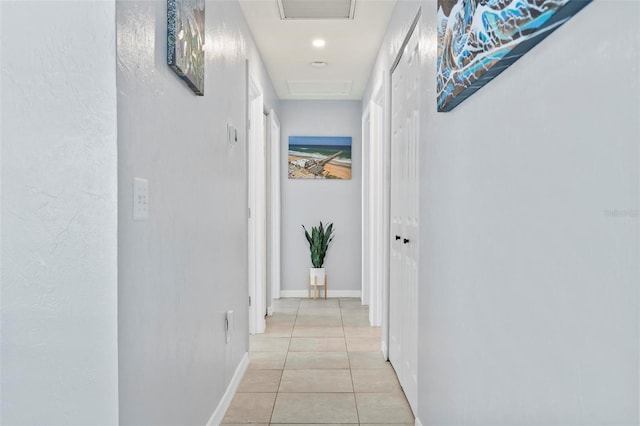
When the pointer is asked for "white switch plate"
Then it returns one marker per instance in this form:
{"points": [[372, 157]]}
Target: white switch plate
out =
{"points": [[232, 134], [229, 326], [140, 199]]}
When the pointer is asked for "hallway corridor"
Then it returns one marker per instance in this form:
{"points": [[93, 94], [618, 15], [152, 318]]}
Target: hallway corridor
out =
{"points": [[319, 362]]}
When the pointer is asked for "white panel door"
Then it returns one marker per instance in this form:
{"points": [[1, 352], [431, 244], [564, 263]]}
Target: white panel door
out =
{"points": [[403, 287]]}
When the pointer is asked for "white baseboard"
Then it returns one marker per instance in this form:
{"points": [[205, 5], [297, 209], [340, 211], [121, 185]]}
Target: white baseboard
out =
{"points": [[418, 422], [223, 406], [385, 352], [270, 311], [331, 294]]}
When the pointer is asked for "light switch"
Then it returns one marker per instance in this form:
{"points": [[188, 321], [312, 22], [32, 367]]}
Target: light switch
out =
{"points": [[140, 199]]}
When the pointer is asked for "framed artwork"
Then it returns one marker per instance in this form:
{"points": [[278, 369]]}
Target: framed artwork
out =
{"points": [[478, 39], [185, 41], [319, 157]]}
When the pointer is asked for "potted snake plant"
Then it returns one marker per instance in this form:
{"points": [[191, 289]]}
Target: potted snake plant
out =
{"points": [[319, 240]]}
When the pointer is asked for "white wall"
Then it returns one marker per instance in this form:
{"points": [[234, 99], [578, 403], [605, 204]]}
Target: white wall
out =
{"points": [[59, 213], [184, 267], [310, 201], [528, 289]]}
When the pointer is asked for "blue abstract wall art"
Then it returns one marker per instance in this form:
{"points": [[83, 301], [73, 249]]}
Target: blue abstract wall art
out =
{"points": [[185, 41], [478, 39]]}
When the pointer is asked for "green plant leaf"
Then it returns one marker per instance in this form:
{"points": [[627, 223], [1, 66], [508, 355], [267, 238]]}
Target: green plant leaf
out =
{"points": [[319, 242], [306, 234]]}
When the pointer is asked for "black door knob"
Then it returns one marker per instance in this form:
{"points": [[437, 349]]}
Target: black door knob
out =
{"points": [[397, 237], [405, 241]]}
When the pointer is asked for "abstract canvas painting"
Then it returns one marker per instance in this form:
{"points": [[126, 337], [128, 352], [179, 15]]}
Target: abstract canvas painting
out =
{"points": [[185, 41], [319, 157], [478, 39]]}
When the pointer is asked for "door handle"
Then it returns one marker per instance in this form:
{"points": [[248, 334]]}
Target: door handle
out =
{"points": [[398, 237], [405, 241]]}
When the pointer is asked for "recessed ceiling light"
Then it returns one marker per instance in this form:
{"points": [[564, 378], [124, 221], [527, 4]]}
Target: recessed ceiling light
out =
{"points": [[318, 64], [318, 42]]}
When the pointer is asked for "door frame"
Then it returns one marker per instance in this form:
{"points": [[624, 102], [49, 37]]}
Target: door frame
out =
{"points": [[378, 219], [373, 207], [386, 212], [275, 206], [256, 200], [365, 210]]}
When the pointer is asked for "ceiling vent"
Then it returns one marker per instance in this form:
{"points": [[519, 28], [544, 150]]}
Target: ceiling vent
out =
{"points": [[316, 9], [319, 87]]}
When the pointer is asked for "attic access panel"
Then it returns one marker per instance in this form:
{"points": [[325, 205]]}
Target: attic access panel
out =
{"points": [[316, 9]]}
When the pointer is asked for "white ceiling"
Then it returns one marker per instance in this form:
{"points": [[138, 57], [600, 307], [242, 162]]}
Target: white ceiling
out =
{"points": [[350, 51]]}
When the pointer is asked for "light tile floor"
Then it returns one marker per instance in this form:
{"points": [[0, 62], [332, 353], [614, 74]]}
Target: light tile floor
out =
{"points": [[318, 363]]}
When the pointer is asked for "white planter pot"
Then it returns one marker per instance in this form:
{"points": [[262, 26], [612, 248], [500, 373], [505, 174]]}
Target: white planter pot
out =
{"points": [[317, 273]]}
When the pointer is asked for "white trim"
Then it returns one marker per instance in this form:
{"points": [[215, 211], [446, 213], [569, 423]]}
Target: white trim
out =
{"points": [[256, 170], [374, 253], [365, 209], [385, 351], [381, 97], [276, 205], [332, 293], [225, 402], [386, 214], [418, 422], [270, 311]]}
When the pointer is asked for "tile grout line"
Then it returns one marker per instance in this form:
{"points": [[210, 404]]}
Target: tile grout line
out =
{"points": [[355, 401], [284, 365]]}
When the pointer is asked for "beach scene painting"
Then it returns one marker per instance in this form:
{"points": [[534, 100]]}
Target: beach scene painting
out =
{"points": [[319, 157]]}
